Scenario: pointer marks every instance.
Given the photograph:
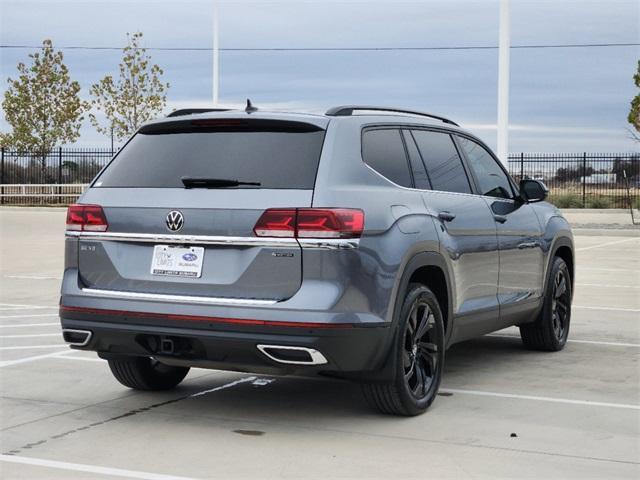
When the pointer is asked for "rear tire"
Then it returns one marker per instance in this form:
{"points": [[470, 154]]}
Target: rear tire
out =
{"points": [[144, 373], [419, 357], [549, 332]]}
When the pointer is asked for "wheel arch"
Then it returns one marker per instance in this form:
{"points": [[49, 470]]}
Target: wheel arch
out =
{"points": [[420, 267], [562, 247], [429, 269]]}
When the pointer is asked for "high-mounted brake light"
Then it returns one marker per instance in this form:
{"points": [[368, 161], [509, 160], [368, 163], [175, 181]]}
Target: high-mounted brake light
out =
{"points": [[311, 223], [88, 218]]}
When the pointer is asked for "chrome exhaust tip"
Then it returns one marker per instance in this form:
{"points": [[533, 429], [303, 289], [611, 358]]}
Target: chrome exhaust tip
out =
{"points": [[77, 338], [293, 355]]}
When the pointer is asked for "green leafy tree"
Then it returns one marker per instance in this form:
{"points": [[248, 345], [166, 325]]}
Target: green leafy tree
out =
{"points": [[136, 96], [43, 105], [634, 113]]}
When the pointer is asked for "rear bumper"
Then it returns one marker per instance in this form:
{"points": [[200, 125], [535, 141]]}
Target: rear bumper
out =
{"points": [[205, 342]]}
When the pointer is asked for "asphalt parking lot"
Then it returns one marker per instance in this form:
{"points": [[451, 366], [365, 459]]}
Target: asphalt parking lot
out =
{"points": [[503, 411]]}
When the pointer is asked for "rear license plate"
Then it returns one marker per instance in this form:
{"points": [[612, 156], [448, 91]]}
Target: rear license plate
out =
{"points": [[177, 261]]}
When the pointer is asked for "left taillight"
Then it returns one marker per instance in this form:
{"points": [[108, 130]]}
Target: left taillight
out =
{"points": [[88, 218]]}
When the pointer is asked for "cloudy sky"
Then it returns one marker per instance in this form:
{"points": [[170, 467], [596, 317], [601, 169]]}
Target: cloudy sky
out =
{"points": [[562, 99]]}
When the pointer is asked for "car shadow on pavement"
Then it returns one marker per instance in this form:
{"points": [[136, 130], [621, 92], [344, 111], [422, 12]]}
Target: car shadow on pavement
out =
{"points": [[290, 398]]}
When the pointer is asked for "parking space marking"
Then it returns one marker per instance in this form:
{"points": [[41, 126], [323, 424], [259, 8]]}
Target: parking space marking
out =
{"points": [[18, 325], [542, 399], [83, 359], [80, 467], [29, 347], [226, 385], [589, 342], [32, 277], [606, 244], [600, 285], [613, 309], [599, 269], [11, 306], [29, 335], [2, 317], [8, 363]]}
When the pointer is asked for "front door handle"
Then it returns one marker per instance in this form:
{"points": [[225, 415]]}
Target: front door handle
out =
{"points": [[500, 218], [446, 216]]}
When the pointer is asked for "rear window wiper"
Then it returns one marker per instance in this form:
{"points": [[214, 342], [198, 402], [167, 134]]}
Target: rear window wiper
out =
{"points": [[200, 182]]}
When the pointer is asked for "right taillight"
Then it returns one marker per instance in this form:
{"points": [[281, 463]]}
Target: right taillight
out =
{"points": [[88, 218], [311, 223]]}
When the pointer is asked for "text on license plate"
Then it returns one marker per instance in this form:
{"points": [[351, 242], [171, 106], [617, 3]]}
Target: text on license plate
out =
{"points": [[177, 261]]}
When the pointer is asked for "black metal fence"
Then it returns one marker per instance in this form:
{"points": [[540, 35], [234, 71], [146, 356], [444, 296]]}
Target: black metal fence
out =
{"points": [[583, 180], [60, 166], [576, 180]]}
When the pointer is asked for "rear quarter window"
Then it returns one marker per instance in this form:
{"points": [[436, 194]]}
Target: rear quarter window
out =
{"points": [[276, 155], [384, 151]]}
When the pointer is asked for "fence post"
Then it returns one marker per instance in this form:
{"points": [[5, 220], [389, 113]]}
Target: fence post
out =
{"points": [[584, 180], [2, 177], [521, 165], [59, 173]]}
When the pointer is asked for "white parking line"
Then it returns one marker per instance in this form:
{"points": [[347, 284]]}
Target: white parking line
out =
{"points": [[29, 316], [32, 277], [79, 467], [29, 347], [22, 305], [8, 363], [20, 325], [580, 268], [84, 359], [590, 342], [542, 399], [601, 285], [6, 309], [29, 335], [613, 309], [226, 385], [606, 244]]}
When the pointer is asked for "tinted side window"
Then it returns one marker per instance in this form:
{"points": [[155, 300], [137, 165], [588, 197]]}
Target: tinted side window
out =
{"points": [[383, 151], [420, 177], [492, 181], [444, 166]]}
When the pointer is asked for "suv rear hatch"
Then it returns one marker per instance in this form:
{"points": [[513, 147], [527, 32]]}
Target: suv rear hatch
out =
{"points": [[180, 225]]}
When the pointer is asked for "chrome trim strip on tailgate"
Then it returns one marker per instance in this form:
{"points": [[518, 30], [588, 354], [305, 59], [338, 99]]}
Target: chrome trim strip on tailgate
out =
{"points": [[161, 297], [323, 243]]}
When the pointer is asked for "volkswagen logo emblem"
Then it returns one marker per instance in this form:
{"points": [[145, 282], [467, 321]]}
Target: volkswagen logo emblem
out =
{"points": [[175, 220]]}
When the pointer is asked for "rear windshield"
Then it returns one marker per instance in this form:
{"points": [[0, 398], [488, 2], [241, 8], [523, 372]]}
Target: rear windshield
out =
{"points": [[281, 155]]}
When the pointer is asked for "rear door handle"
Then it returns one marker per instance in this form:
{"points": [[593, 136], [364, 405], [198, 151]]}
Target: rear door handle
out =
{"points": [[446, 216], [500, 218]]}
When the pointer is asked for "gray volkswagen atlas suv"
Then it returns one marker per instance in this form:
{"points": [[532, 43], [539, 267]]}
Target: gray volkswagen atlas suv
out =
{"points": [[357, 244]]}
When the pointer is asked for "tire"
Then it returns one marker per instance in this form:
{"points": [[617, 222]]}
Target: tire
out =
{"points": [[144, 373], [549, 332], [419, 357]]}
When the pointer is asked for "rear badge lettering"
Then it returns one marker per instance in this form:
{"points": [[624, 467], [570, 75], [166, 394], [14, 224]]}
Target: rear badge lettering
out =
{"points": [[282, 254]]}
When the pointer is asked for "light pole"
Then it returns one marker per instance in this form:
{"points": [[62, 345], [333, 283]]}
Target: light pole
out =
{"points": [[216, 55], [503, 83]]}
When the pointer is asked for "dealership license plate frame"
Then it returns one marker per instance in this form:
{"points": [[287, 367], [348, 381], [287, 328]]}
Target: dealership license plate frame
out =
{"points": [[170, 261]]}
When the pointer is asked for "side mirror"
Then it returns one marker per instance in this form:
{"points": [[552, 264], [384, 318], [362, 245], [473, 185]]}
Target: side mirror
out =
{"points": [[533, 190]]}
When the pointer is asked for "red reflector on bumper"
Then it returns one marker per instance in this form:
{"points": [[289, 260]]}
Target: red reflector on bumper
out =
{"points": [[199, 318]]}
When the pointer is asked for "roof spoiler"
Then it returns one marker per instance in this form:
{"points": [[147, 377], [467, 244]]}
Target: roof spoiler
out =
{"points": [[347, 110], [191, 111]]}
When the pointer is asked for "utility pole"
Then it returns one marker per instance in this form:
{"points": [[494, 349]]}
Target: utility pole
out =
{"points": [[216, 55], [504, 45]]}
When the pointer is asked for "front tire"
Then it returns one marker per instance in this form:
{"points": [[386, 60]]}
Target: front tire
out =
{"points": [[551, 329], [144, 373], [419, 357]]}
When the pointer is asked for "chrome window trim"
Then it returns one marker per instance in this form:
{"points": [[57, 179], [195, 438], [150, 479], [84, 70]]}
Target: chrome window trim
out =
{"points": [[161, 297], [159, 238]]}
